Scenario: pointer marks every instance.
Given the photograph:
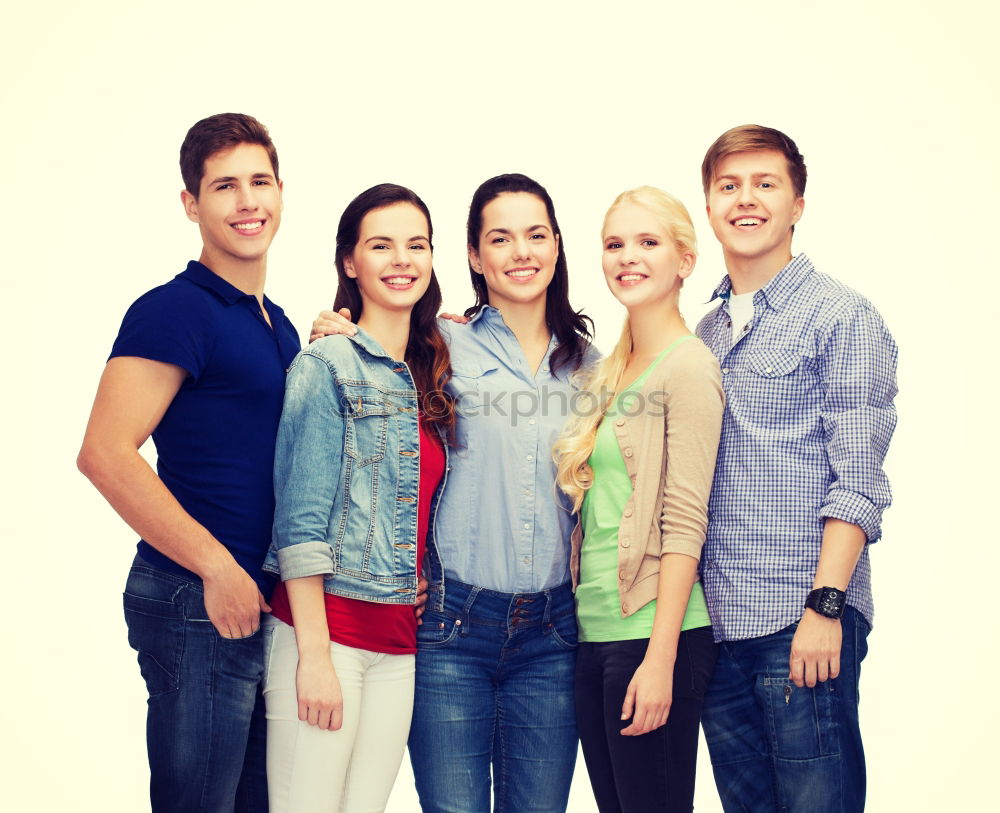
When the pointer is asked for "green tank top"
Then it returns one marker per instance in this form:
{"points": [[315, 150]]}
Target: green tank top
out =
{"points": [[598, 605]]}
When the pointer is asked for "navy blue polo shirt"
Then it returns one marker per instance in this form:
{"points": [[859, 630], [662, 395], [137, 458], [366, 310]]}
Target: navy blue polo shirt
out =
{"points": [[215, 443]]}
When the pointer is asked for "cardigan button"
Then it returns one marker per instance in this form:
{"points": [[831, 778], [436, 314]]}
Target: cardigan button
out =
{"points": [[620, 422], [621, 575], [628, 512], [628, 452]]}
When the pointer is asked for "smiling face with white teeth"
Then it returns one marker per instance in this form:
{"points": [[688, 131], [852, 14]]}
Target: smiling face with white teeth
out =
{"points": [[238, 208], [641, 262], [392, 259], [517, 249], [752, 205]]}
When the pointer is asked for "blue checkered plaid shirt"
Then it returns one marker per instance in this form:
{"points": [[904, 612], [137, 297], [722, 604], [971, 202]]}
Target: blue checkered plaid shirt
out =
{"points": [[809, 414]]}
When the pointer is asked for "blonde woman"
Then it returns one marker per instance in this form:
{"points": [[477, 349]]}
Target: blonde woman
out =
{"points": [[639, 470]]}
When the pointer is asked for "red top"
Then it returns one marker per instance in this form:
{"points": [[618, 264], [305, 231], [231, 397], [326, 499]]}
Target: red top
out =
{"points": [[389, 628]]}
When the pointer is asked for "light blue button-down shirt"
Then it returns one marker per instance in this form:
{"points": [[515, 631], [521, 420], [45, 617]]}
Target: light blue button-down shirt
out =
{"points": [[809, 414], [502, 524]]}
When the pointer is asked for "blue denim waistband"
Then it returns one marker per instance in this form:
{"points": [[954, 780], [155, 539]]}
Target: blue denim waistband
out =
{"points": [[492, 607]]}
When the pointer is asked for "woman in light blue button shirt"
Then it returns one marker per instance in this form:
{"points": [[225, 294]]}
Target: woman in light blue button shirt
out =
{"points": [[496, 650]]}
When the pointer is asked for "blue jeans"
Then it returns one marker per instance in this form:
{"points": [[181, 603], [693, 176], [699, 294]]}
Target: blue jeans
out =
{"points": [[495, 687], [205, 726], [776, 747]]}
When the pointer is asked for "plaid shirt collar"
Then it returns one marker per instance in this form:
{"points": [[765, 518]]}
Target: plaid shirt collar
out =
{"points": [[779, 290]]}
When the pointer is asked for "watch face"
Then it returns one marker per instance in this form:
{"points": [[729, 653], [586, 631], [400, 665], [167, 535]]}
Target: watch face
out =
{"points": [[827, 601]]}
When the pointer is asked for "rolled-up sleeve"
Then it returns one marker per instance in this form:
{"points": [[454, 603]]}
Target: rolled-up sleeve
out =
{"points": [[857, 365], [307, 463]]}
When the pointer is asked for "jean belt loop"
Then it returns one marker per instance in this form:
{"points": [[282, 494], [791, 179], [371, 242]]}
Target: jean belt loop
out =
{"points": [[467, 608], [548, 608]]}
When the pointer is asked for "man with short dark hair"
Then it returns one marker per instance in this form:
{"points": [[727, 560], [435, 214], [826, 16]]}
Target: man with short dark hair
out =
{"points": [[809, 372], [199, 363]]}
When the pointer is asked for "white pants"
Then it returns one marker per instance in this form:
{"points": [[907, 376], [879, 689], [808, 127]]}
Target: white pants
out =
{"points": [[351, 770]]}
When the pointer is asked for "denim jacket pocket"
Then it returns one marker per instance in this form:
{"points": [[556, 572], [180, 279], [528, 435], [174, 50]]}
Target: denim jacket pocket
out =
{"points": [[367, 425]]}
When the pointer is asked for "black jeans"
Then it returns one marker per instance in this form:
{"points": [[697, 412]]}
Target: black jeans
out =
{"points": [[655, 771]]}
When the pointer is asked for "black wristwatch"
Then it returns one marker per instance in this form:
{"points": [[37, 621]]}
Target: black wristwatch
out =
{"points": [[828, 601]]}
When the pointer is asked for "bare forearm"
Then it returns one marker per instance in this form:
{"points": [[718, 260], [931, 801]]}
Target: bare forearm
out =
{"points": [[131, 399], [677, 577], [134, 490], [842, 546], [815, 651], [312, 633]]}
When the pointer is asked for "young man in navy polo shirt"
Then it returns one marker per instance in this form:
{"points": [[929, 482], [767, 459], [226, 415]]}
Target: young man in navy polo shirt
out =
{"points": [[200, 364]]}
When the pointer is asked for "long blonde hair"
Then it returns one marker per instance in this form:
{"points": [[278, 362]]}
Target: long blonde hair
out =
{"points": [[576, 443]]}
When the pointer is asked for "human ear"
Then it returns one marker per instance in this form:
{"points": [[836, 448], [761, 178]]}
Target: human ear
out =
{"points": [[190, 203], [474, 260]]}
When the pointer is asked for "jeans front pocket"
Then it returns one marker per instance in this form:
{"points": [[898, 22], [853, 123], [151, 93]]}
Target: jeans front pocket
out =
{"points": [[437, 630], [563, 631], [801, 720]]}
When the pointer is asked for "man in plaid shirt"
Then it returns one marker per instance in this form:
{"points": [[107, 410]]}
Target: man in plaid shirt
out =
{"points": [[809, 372]]}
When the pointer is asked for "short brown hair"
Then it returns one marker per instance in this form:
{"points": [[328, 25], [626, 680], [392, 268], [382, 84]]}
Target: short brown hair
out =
{"points": [[755, 138], [216, 133]]}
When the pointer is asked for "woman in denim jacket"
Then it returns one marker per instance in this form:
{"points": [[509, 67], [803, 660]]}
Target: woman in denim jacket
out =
{"points": [[360, 459], [496, 651]]}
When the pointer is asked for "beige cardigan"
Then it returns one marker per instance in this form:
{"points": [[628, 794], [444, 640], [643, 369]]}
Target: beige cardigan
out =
{"points": [[669, 452]]}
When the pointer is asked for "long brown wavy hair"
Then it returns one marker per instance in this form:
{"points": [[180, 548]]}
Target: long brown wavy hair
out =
{"points": [[426, 350]]}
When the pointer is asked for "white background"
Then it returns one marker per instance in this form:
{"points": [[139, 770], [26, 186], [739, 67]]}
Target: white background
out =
{"points": [[892, 103]]}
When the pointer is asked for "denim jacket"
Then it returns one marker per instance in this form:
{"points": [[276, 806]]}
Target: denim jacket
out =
{"points": [[347, 472]]}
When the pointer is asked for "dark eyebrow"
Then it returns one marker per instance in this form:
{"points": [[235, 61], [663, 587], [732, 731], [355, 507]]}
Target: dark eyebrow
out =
{"points": [[536, 227], [231, 179], [389, 239]]}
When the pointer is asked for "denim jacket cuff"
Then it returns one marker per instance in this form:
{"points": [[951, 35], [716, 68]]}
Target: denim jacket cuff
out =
{"points": [[305, 559]]}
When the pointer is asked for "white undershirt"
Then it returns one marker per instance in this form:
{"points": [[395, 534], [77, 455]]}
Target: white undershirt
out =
{"points": [[740, 313]]}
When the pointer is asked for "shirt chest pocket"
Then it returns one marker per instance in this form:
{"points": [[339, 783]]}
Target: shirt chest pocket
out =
{"points": [[367, 412], [470, 379], [775, 364], [783, 380]]}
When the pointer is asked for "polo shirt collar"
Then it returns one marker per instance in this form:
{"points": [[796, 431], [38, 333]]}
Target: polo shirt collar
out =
{"points": [[204, 277]]}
